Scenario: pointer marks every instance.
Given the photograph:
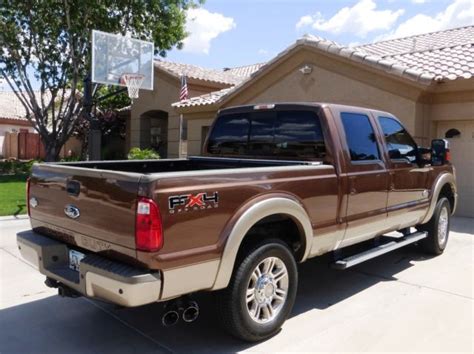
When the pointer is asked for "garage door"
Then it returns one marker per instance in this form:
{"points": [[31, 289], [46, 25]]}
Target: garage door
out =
{"points": [[460, 135]]}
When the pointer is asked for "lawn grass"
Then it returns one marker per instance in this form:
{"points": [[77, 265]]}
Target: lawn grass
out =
{"points": [[13, 194]]}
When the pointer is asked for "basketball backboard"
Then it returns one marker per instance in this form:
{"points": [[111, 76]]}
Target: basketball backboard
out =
{"points": [[114, 56]]}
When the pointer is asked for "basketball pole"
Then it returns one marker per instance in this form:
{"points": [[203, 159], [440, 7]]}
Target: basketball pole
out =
{"points": [[94, 135]]}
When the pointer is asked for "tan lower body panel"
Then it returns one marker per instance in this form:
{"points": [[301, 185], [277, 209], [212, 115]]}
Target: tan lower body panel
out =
{"points": [[188, 279]]}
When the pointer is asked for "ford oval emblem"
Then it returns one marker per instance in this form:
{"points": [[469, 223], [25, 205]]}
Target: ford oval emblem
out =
{"points": [[72, 211]]}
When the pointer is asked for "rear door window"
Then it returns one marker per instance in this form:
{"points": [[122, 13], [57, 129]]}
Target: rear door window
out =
{"points": [[360, 137]]}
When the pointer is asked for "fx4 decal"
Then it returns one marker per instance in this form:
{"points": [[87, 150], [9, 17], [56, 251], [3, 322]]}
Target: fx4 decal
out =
{"points": [[189, 202]]}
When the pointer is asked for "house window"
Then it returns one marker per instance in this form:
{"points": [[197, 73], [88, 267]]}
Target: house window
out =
{"points": [[452, 133]]}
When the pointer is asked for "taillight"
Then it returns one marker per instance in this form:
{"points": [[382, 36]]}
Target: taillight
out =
{"points": [[28, 182], [148, 228], [448, 155]]}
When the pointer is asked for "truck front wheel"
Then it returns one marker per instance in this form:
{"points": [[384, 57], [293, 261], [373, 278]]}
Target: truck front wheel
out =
{"points": [[261, 293], [437, 228]]}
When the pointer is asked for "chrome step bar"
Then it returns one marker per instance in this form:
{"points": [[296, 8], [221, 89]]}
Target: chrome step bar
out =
{"points": [[378, 251]]}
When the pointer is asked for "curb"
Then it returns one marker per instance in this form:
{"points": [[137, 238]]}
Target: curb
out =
{"points": [[13, 217]]}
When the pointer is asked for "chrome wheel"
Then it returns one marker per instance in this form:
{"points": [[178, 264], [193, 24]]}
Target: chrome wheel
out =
{"points": [[443, 222], [267, 290]]}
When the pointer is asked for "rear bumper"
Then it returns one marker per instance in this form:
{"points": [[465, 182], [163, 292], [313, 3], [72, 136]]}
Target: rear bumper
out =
{"points": [[98, 277]]}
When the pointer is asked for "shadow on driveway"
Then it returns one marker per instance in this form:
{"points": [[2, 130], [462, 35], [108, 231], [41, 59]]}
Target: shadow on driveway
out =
{"points": [[79, 325]]}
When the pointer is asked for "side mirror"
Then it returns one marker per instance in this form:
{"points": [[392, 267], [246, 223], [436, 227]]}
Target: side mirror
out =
{"points": [[423, 156], [439, 152]]}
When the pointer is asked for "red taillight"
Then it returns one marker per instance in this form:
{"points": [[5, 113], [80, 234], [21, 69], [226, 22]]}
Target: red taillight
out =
{"points": [[148, 228], [448, 155], [28, 195]]}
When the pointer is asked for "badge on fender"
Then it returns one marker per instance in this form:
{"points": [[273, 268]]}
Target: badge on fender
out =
{"points": [[189, 202]]}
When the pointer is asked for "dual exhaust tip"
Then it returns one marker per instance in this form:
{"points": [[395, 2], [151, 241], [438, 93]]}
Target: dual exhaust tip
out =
{"points": [[187, 310]]}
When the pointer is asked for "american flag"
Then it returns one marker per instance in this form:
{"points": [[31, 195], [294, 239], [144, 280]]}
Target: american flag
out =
{"points": [[183, 94]]}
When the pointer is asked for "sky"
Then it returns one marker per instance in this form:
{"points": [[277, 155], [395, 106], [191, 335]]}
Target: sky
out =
{"points": [[228, 33]]}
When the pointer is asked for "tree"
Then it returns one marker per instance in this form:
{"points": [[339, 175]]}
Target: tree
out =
{"points": [[109, 118], [50, 39]]}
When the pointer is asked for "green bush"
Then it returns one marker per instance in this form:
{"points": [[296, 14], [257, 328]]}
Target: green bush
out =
{"points": [[70, 159], [142, 154], [14, 167]]}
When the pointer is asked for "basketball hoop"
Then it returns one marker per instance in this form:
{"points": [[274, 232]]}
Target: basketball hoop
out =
{"points": [[133, 83]]}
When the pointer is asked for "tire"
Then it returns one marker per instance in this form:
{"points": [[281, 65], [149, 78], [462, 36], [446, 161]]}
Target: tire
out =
{"points": [[244, 306], [437, 228]]}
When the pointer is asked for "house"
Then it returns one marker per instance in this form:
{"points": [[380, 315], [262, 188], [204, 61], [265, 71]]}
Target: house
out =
{"points": [[12, 120], [18, 138], [427, 81], [155, 123]]}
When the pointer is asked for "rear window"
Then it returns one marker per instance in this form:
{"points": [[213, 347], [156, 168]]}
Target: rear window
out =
{"points": [[278, 134]]}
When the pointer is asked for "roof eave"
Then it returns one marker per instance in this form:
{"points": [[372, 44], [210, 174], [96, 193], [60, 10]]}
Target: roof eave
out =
{"points": [[196, 108]]}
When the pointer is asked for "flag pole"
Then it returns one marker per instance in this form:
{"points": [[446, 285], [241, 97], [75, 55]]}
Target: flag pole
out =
{"points": [[180, 146], [183, 95]]}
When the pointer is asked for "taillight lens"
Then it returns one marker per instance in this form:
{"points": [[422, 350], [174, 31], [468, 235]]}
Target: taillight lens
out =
{"points": [[448, 155], [28, 181], [148, 228]]}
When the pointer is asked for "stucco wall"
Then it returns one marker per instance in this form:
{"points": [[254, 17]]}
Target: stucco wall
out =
{"points": [[165, 92], [195, 137]]}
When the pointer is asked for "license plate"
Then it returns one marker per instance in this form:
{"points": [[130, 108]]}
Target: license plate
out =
{"points": [[75, 258]]}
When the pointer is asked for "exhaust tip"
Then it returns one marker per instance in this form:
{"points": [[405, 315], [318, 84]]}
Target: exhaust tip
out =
{"points": [[191, 313], [170, 318]]}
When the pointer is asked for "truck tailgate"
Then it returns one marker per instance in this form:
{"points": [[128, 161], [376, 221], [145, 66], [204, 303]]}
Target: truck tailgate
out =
{"points": [[96, 203]]}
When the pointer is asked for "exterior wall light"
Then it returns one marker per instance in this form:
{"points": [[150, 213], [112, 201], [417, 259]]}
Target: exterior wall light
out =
{"points": [[306, 70]]}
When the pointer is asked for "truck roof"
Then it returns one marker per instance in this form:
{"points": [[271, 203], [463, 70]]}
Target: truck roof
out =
{"points": [[293, 105]]}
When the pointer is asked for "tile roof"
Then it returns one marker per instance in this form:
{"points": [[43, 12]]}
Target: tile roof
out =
{"points": [[424, 58], [206, 99], [244, 71], [444, 63], [446, 54], [230, 76], [428, 41], [11, 107]]}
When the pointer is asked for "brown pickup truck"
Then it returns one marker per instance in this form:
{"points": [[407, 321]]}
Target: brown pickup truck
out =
{"points": [[277, 184]]}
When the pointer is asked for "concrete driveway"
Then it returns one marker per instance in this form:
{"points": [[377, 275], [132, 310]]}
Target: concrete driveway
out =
{"points": [[403, 301]]}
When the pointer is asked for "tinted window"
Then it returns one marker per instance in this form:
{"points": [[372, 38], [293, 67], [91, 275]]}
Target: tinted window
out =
{"points": [[400, 144], [262, 134], [299, 134], [360, 137], [229, 135], [285, 134]]}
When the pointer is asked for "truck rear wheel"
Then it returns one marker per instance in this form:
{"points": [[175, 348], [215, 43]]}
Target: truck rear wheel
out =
{"points": [[437, 228], [261, 293]]}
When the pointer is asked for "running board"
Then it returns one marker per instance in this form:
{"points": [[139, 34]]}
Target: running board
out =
{"points": [[378, 251]]}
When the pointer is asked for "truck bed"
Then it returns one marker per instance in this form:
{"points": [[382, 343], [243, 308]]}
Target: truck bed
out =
{"points": [[106, 193], [190, 164]]}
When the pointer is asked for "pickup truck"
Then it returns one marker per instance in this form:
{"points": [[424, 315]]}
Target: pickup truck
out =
{"points": [[277, 184]]}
